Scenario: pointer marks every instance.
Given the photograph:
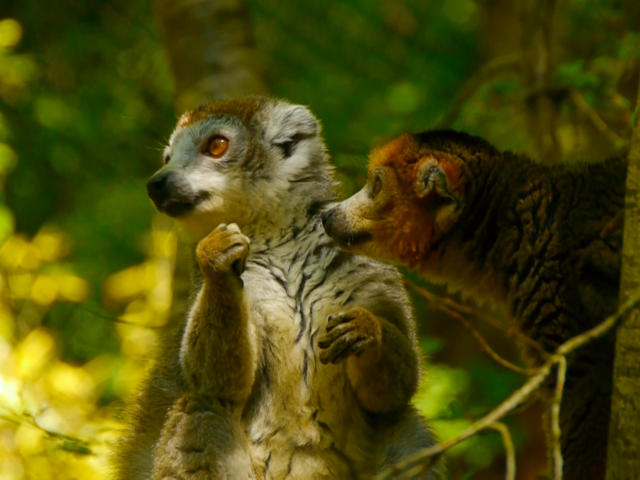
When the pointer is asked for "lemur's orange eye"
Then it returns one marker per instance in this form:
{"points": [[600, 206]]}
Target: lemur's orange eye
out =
{"points": [[217, 146]]}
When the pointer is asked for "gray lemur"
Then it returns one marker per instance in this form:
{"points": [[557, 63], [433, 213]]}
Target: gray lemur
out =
{"points": [[316, 378]]}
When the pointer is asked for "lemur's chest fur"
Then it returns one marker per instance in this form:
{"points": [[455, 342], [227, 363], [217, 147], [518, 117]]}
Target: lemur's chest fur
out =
{"points": [[292, 417]]}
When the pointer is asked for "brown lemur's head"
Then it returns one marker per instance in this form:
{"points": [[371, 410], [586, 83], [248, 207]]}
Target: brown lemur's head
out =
{"points": [[251, 161], [415, 193]]}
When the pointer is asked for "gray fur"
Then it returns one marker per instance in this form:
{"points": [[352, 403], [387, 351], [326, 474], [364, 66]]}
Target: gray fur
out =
{"points": [[303, 419]]}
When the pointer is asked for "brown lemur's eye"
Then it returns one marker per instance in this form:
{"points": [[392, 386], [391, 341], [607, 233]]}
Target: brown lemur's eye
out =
{"points": [[216, 146], [166, 158], [377, 186]]}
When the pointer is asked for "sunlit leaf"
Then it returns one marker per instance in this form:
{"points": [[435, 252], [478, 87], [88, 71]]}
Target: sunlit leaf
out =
{"points": [[10, 32], [34, 352]]}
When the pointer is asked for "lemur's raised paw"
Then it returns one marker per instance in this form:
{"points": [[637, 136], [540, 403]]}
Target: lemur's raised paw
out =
{"points": [[350, 332], [224, 250]]}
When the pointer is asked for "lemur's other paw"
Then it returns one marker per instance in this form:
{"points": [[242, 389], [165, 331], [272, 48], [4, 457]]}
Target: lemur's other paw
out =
{"points": [[224, 250], [350, 332]]}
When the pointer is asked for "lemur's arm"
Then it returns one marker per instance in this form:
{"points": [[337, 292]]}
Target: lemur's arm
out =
{"points": [[203, 433], [205, 358], [216, 353], [374, 334]]}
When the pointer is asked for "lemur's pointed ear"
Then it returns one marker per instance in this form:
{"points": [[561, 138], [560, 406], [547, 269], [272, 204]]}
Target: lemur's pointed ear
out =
{"points": [[289, 124], [438, 175], [428, 175]]}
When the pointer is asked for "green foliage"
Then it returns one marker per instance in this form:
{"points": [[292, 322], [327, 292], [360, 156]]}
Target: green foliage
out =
{"points": [[86, 103]]}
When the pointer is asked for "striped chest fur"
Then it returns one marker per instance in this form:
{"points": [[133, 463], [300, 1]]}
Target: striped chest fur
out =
{"points": [[301, 413]]}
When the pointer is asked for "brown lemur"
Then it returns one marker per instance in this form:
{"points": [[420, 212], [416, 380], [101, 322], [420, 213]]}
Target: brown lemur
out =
{"points": [[329, 345], [544, 241]]}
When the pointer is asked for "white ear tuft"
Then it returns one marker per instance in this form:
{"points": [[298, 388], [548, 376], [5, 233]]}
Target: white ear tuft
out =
{"points": [[291, 122]]}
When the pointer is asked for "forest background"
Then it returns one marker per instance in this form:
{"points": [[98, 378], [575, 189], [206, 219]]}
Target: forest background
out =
{"points": [[89, 95]]}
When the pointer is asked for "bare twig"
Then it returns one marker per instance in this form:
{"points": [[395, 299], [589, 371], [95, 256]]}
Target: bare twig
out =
{"points": [[555, 419], [509, 450], [116, 318], [517, 397], [490, 70], [490, 351], [28, 419], [596, 120], [459, 311]]}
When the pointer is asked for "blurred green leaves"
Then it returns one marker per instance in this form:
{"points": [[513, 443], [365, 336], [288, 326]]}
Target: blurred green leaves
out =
{"points": [[86, 105]]}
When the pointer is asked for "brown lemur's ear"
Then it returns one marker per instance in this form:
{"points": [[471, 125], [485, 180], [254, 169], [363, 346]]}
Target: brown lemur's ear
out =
{"points": [[440, 178], [432, 176]]}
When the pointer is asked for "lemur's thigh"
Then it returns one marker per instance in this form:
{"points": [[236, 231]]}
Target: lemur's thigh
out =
{"points": [[202, 439]]}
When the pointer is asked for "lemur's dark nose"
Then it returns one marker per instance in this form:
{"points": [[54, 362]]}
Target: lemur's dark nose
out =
{"points": [[157, 187]]}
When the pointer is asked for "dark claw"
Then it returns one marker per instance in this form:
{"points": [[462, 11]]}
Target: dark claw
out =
{"points": [[334, 334]]}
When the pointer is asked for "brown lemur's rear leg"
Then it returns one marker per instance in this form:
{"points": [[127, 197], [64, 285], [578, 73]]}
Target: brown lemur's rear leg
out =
{"points": [[203, 436]]}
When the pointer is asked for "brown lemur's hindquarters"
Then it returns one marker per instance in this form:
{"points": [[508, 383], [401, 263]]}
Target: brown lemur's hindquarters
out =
{"points": [[541, 234], [203, 436]]}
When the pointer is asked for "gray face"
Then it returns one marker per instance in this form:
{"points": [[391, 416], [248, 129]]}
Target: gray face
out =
{"points": [[192, 175], [250, 176]]}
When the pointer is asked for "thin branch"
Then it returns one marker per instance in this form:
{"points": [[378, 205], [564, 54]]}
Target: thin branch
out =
{"points": [[116, 318], [490, 351], [596, 120], [490, 70], [29, 420], [451, 307], [509, 450], [517, 397], [555, 419]]}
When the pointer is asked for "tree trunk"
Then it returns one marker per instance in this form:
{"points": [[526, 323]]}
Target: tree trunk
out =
{"points": [[212, 54], [623, 456], [211, 49]]}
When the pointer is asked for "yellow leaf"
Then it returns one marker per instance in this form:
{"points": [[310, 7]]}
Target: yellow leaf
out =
{"points": [[44, 290], [7, 325], [29, 439], [51, 244], [10, 393], [34, 352], [70, 382], [20, 285], [16, 252], [72, 288], [163, 243], [10, 33], [130, 282]]}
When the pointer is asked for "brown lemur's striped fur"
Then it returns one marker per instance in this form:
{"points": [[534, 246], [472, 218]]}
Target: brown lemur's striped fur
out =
{"points": [[306, 368], [544, 241]]}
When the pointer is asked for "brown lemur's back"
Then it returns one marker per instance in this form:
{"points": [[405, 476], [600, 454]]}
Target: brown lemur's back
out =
{"points": [[333, 353], [544, 241]]}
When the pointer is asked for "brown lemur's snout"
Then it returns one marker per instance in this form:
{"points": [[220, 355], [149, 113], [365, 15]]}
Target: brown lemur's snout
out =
{"points": [[337, 226], [171, 193]]}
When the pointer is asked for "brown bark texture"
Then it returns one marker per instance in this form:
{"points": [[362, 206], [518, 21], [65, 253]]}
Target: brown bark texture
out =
{"points": [[211, 49], [623, 456]]}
